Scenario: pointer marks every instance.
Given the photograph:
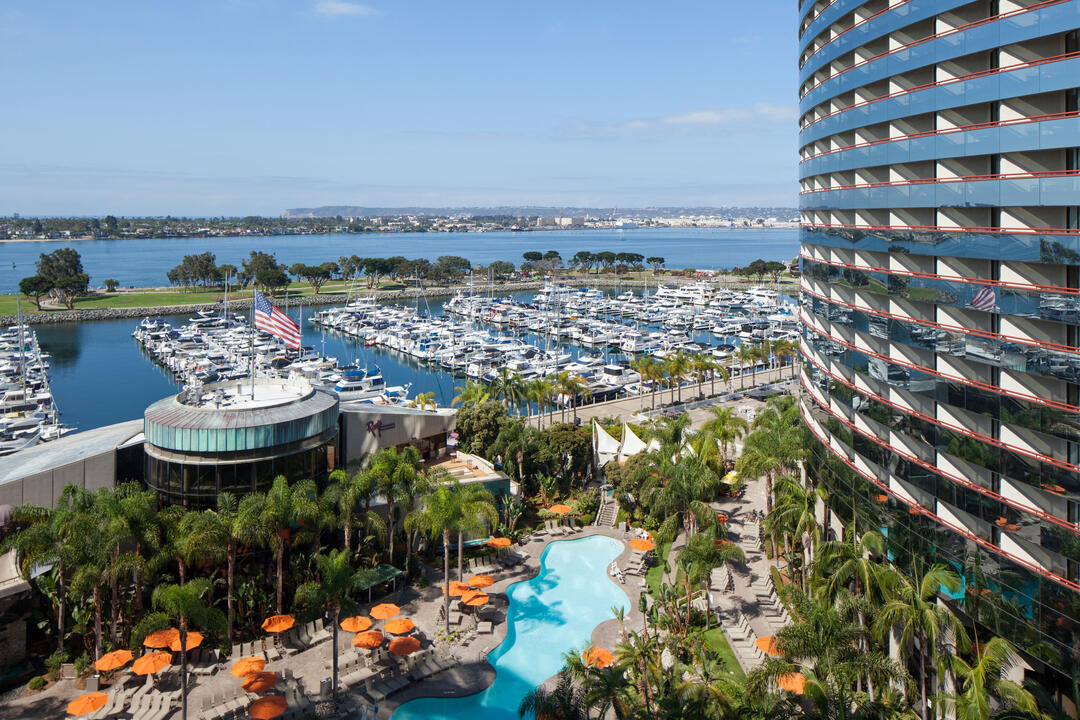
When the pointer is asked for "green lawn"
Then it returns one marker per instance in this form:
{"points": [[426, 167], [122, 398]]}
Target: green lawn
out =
{"points": [[715, 639], [654, 576]]}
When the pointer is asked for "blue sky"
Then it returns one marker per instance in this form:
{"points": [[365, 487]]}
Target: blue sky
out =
{"points": [[228, 107]]}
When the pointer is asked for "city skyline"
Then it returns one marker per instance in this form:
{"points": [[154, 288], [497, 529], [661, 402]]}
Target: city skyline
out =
{"points": [[253, 107]]}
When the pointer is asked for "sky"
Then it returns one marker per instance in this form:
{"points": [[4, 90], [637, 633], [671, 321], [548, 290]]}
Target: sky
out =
{"points": [[235, 107]]}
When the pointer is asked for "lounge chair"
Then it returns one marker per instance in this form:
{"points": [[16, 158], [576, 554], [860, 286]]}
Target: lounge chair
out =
{"points": [[485, 627]]}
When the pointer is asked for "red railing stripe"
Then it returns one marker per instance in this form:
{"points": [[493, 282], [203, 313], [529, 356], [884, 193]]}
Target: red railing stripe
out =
{"points": [[862, 22], [923, 511], [935, 36], [1047, 402], [1029, 287], [947, 131], [956, 179], [944, 229], [959, 480], [1031, 454], [942, 326], [949, 81]]}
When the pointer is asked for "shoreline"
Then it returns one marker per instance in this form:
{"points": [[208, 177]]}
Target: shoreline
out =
{"points": [[50, 317], [86, 238]]}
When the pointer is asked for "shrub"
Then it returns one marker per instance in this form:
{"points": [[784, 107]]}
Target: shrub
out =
{"points": [[82, 664], [587, 507], [54, 661], [37, 683]]}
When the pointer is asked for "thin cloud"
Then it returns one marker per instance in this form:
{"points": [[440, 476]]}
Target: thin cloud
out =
{"points": [[694, 120], [338, 8]]}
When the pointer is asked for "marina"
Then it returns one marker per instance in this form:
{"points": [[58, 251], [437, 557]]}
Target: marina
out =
{"points": [[28, 413]]}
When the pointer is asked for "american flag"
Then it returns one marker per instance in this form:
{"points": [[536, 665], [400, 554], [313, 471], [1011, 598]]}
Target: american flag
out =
{"points": [[985, 300], [269, 319]]}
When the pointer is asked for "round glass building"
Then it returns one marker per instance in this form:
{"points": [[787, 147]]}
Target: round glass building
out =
{"points": [[233, 437], [940, 198]]}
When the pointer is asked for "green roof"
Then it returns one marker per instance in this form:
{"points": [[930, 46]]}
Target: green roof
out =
{"points": [[379, 575]]}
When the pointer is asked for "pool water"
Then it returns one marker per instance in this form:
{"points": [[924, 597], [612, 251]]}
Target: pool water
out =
{"points": [[552, 613]]}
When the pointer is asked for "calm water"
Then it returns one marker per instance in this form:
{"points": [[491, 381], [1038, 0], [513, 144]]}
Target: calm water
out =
{"points": [[143, 263], [550, 615]]}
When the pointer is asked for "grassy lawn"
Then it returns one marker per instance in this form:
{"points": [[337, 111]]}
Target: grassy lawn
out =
{"points": [[654, 575], [715, 639]]}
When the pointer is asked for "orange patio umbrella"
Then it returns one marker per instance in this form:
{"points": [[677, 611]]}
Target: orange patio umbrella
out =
{"points": [[481, 581], [245, 666], [399, 626], [368, 640], [87, 703], [259, 682], [384, 611], [642, 545], [151, 663], [455, 588], [278, 623], [767, 645], [161, 638], [721, 518], [194, 640], [598, 657], [356, 623], [561, 509], [404, 645], [792, 682], [475, 598], [498, 542], [267, 707], [113, 660]]}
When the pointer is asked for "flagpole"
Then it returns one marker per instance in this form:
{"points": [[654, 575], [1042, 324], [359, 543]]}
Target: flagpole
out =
{"points": [[252, 336]]}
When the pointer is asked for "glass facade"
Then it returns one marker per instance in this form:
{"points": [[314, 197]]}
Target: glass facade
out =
{"points": [[940, 178]]}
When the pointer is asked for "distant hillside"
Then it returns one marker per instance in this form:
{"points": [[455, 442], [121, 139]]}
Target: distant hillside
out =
{"points": [[535, 211]]}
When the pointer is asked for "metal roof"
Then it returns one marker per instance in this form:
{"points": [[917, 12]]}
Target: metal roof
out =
{"points": [[66, 450], [169, 412]]}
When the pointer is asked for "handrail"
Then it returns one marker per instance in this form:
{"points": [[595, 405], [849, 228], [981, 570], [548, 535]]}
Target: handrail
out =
{"points": [[1038, 569], [945, 229], [948, 81], [1037, 175], [862, 22], [958, 479], [1031, 454], [935, 36], [1038, 400], [947, 131], [986, 334], [811, 20], [1007, 284]]}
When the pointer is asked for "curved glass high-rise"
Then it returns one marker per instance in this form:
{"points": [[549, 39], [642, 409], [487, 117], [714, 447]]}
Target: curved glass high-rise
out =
{"points": [[940, 199]]}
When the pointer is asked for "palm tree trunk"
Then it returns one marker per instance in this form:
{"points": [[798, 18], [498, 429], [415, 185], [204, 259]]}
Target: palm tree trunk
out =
{"points": [[114, 584], [97, 621], [230, 576], [334, 652], [183, 668], [348, 534], [61, 604], [182, 567], [922, 679], [446, 575], [280, 571]]}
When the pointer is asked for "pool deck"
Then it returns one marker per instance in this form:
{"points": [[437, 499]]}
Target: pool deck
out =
{"points": [[474, 673]]}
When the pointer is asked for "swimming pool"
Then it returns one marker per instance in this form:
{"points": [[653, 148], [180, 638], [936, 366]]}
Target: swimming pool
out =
{"points": [[550, 614]]}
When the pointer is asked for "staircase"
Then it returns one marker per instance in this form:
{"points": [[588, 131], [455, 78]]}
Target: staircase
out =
{"points": [[609, 510]]}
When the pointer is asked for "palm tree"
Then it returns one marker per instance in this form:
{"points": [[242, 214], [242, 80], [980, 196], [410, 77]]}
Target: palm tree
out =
{"points": [[785, 349], [793, 517], [702, 553], [982, 679], [850, 565], [424, 401], [563, 702], [646, 368], [476, 512], [439, 515], [602, 689], [915, 611], [329, 593], [276, 512], [775, 444], [717, 367], [542, 390], [572, 387], [701, 365], [677, 367], [472, 394], [237, 524], [394, 471], [186, 605], [725, 427], [748, 353], [352, 496]]}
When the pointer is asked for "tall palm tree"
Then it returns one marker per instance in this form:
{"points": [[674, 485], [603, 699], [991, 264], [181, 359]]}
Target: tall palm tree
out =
{"points": [[565, 701], [678, 365], [702, 553], [394, 471], [236, 524], [785, 349], [473, 393], [982, 679], [793, 517], [602, 689], [476, 512], [701, 365], [646, 368], [572, 387], [439, 515], [543, 390], [725, 427], [277, 511], [774, 446], [915, 611], [748, 354], [352, 496], [716, 367], [187, 606], [329, 592]]}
